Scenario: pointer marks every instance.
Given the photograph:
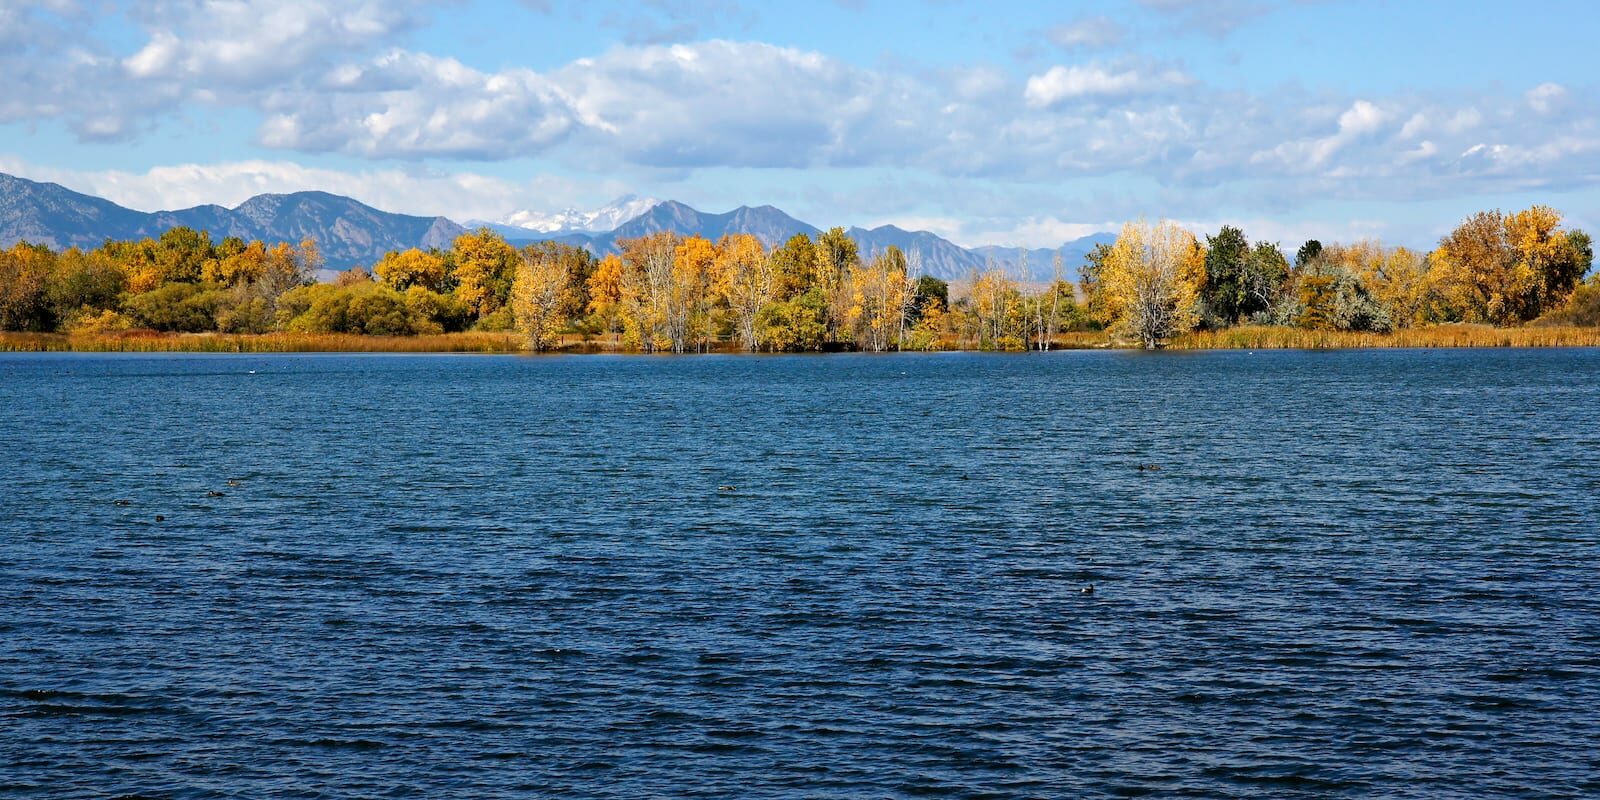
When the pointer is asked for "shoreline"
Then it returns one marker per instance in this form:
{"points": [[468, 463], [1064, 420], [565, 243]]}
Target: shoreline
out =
{"points": [[1241, 338]]}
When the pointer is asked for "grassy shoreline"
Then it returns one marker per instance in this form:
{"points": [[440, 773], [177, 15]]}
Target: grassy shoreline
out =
{"points": [[1241, 338]]}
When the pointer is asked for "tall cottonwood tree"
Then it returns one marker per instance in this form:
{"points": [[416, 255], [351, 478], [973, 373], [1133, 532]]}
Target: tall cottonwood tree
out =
{"points": [[537, 295], [748, 282], [1509, 269], [1150, 280]]}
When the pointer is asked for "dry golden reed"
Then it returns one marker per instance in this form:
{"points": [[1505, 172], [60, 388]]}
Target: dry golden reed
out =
{"points": [[1242, 338], [1252, 337]]}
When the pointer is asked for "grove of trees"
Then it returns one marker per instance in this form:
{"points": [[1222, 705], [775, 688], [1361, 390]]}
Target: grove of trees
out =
{"points": [[671, 293]]}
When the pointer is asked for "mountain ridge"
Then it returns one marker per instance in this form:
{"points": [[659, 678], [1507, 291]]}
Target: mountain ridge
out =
{"points": [[351, 233]]}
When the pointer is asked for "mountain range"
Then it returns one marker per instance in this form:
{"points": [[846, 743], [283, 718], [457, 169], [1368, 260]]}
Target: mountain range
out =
{"points": [[351, 233], [523, 224]]}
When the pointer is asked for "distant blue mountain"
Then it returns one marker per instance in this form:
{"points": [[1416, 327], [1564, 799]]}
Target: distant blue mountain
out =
{"points": [[930, 253], [354, 234], [349, 233]]}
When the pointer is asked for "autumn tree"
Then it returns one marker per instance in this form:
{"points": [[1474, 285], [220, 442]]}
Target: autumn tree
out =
{"points": [[537, 295], [25, 272], [1509, 269], [1150, 280], [407, 268], [645, 290], [995, 309], [836, 254], [605, 291], [748, 280], [485, 266], [1047, 310], [83, 284], [880, 299], [694, 273], [1332, 296], [794, 265]]}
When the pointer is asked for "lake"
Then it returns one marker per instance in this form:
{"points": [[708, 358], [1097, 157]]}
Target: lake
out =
{"points": [[1354, 573]]}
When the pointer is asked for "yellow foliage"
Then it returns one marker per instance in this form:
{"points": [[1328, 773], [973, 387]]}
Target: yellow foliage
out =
{"points": [[1150, 282], [485, 266], [605, 284], [747, 281], [412, 267], [536, 295]]}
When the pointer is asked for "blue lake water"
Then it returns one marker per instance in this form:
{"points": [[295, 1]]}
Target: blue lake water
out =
{"points": [[1355, 573]]}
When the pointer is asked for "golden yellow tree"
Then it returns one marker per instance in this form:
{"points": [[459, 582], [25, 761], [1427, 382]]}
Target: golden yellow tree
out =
{"points": [[996, 309], [412, 267], [244, 267], [536, 295], [1150, 281], [880, 297], [645, 290], [747, 281], [485, 265], [1396, 277], [694, 273], [1508, 269], [605, 290]]}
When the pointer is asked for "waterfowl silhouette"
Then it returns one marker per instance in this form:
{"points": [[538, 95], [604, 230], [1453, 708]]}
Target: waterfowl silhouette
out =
{"points": [[1087, 589]]}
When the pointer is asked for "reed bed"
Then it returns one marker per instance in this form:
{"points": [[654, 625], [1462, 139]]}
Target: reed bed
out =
{"points": [[151, 342], [1242, 338], [1252, 337]]}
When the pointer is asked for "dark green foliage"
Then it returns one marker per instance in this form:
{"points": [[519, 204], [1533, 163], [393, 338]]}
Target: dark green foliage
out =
{"points": [[1262, 281], [1307, 253], [929, 290], [1227, 255], [795, 325], [84, 282]]}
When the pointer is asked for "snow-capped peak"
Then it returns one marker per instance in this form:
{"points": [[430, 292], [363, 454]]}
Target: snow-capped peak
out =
{"points": [[606, 218]]}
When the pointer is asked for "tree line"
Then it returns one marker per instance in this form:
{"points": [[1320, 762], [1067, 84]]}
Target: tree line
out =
{"points": [[671, 293], [1159, 280]]}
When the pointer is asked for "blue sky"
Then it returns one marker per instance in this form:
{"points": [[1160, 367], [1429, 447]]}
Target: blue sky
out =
{"points": [[990, 123]]}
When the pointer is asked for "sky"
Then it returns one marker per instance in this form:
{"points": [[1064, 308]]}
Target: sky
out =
{"points": [[995, 122]]}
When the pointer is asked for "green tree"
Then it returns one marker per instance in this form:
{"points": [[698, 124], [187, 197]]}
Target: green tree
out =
{"points": [[929, 290], [798, 324], [1261, 282], [1227, 259], [794, 264], [177, 307], [1307, 253], [84, 283]]}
